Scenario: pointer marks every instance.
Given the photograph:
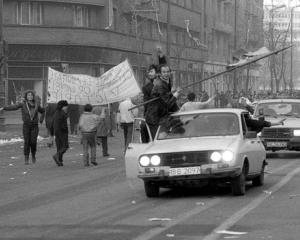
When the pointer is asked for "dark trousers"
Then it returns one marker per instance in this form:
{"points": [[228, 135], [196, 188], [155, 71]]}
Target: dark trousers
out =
{"points": [[144, 133], [127, 129], [103, 140], [73, 127], [30, 134], [89, 141], [62, 144]]}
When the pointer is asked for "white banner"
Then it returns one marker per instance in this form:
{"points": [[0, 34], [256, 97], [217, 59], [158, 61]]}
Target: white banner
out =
{"points": [[114, 85]]}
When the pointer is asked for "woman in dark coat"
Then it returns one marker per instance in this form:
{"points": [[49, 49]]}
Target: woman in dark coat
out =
{"points": [[59, 129], [30, 108], [49, 111]]}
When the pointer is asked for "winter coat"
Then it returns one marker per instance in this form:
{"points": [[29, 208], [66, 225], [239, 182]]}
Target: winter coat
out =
{"points": [[88, 122], [103, 126], [29, 111], [160, 108], [59, 124]]}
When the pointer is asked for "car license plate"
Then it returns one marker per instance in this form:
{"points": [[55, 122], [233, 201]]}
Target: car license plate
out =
{"points": [[276, 144], [184, 171]]}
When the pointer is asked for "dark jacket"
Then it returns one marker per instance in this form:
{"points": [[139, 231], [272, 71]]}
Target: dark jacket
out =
{"points": [[60, 124], [50, 111], [29, 112], [257, 125], [160, 109], [147, 90]]}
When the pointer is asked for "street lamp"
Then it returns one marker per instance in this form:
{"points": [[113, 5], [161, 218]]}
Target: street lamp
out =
{"points": [[291, 70]]}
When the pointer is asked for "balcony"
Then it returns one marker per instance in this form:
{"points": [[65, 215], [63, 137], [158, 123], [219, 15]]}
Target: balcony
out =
{"points": [[69, 36]]}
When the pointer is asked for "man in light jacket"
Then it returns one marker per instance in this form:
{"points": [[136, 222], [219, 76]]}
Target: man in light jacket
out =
{"points": [[88, 123], [127, 119]]}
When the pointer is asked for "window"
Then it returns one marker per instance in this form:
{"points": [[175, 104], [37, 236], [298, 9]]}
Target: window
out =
{"points": [[29, 13], [81, 16]]}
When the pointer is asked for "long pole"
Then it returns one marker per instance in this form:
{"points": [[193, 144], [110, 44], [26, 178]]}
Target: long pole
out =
{"points": [[2, 94], [235, 44], [292, 30], [168, 29], [218, 74], [1, 36]]}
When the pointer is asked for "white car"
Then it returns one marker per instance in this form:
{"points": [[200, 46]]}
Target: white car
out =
{"points": [[287, 136], [196, 148]]}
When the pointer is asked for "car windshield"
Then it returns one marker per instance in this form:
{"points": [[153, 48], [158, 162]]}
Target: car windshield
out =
{"points": [[200, 125], [276, 109]]}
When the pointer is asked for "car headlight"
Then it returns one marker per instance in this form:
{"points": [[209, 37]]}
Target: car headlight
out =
{"points": [[216, 157], [296, 133], [155, 160], [227, 156], [145, 161]]}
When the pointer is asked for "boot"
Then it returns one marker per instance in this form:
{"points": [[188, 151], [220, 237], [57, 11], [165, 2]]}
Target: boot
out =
{"points": [[26, 159], [33, 158]]}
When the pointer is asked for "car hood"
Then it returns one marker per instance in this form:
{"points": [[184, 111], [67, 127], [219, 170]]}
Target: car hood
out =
{"points": [[288, 123], [193, 144]]}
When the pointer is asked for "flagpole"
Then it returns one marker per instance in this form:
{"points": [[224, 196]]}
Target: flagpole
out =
{"points": [[218, 74]]}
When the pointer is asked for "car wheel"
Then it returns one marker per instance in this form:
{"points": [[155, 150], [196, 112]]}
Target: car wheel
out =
{"points": [[260, 179], [151, 189], [238, 185]]}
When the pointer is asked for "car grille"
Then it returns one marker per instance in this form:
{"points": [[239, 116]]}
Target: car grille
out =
{"points": [[276, 133], [182, 159]]}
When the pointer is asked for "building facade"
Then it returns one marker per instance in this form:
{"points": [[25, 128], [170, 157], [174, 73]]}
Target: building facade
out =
{"points": [[232, 27], [91, 36]]}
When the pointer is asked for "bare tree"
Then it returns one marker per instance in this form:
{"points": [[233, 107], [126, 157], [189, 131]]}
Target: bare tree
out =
{"points": [[276, 39]]}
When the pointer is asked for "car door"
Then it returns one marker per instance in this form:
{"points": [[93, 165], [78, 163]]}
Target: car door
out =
{"points": [[135, 148], [251, 147]]}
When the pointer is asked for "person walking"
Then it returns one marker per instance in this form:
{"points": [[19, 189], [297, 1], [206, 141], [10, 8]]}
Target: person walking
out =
{"points": [[50, 110], [127, 119], [102, 128], [88, 123], [59, 129], [74, 114], [30, 108]]}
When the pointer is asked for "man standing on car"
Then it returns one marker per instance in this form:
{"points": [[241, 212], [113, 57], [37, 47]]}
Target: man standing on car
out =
{"points": [[159, 110], [147, 90]]}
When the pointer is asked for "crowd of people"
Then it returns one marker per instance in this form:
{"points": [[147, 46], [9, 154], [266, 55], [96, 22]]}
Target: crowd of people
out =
{"points": [[94, 123]]}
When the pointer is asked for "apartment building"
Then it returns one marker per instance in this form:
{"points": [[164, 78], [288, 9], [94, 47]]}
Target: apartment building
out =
{"points": [[91, 36]]}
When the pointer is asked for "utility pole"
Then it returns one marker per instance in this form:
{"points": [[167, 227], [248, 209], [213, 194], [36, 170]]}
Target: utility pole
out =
{"points": [[235, 44], [168, 30], [2, 65], [291, 70]]}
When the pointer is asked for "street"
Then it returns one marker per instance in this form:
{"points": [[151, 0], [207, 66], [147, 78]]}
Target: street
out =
{"points": [[43, 201]]}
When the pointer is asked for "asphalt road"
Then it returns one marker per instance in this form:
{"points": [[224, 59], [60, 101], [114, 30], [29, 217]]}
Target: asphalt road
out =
{"points": [[43, 201]]}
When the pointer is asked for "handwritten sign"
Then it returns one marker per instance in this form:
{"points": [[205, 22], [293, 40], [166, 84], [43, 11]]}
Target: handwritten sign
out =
{"points": [[114, 85]]}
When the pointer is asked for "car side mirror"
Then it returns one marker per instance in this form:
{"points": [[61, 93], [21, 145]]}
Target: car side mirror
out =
{"points": [[251, 134]]}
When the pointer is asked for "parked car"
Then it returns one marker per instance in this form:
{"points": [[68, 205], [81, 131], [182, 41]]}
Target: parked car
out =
{"points": [[286, 137], [196, 148]]}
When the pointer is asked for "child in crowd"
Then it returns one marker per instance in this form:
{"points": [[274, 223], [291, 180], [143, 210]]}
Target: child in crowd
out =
{"points": [[88, 123]]}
